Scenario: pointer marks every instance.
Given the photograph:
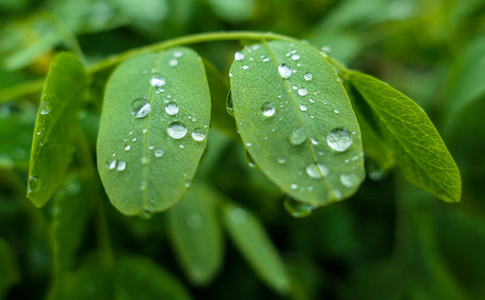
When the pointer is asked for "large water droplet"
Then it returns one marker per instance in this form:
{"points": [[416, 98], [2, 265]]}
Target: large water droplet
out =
{"points": [[339, 139], [302, 92], [121, 166], [297, 209], [34, 184], [268, 109], [198, 135], [298, 136], [45, 108], [295, 56], [177, 130], [172, 108], [158, 153], [303, 107], [316, 171], [157, 80], [140, 108], [238, 56], [285, 71], [308, 76], [349, 180], [111, 164]]}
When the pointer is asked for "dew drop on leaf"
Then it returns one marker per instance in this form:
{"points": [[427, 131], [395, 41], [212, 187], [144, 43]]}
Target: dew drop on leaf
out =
{"points": [[121, 166], [349, 180], [177, 130], [111, 164], [302, 92], [173, 62], [281, 160], [45, 108], [268, 109], [198, 135], [146, 214], [303, 107], [127, 147], [308, 76], [298, 136], [143, 185], [172, 108], [140, 108], [34, 184], [285, 71], [158, 153], [178, 54], [295, 57], [157, 80], [145, 160], [238, 56], [339, 139], [316, 171], [297, 209], [230, 106]]}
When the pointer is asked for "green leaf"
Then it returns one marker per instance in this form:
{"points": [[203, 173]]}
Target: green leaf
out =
{"points": [[140, 278], [55, 127], [153, 129], [250, 238], [296, 121], [196, 234], [416, 144], [9, 269]]}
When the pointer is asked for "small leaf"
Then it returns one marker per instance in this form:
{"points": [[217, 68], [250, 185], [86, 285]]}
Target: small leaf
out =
{"points": [[196, 234], [55, 128], [153, 130], [416, 144], [250, 238], [9, 269], [296, 121]]}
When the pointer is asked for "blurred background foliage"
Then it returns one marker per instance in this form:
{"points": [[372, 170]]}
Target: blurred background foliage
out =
{"points": [[389, 241]]}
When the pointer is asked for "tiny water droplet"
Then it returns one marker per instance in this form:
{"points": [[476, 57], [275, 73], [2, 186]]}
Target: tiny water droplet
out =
{"points": [[349, 180], [285, 71], [339, 139], [127, 147], [281, 160], [198, 134], [45, 108], [303, 107], [172, 108], [249, 159], [298, 136], [173, 62], [245, 67], [336, 111], [229, 105], [238, 56], [268, 109], [143, 185], [157, 80], [121, 166], [316, 171], [177, 130], [158, 153], [145, 160], [302, 92], [111, 164], [325, 49], [187, 183], [178, 54], [314, 141], [140, 108], [294, 186], [146, 214], [295, 56], [308, 76], [297, 209]]}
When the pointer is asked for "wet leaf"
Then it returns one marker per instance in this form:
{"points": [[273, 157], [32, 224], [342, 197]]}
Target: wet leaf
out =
{"points": [[153, 130], [296, 121]]}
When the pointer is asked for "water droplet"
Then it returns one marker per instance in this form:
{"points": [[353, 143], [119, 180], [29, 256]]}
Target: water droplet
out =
{"points": [[178, 54], [302, 92], [266, 59], [34, 184], [44, 108], [238, 56], [157, 80], [268, 109], [297, 209], [172, 108], [187, 183], [294, 186], [249, 159], [127, 147], [298, 136], [146, 214], [281, 160], [316, 171], [339, 139], [285, 71], [140, 108], [158, 153], [133, 139], [314, 141], [238, 216], [325, 49], [111, 164], [198, 135], [295, 56], [229, 105], [145, 160], [336, 111], [303, 107], [173, 62], [308, 76], [177, 130], [143, 185], [245, 67], [145, 130], [121, 166], [349, 180]]}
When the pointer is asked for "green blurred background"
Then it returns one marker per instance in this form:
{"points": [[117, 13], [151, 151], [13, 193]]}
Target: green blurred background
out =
{"points": [[389, 241]]}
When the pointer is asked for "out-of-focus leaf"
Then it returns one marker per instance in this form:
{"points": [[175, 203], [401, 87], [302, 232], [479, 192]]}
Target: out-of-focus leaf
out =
{"points": [[9, 269], [250, 238], [416, 144], [14, 150], [296, 121], [233, 10], [55, 127], [153, 130], [196, 234]]}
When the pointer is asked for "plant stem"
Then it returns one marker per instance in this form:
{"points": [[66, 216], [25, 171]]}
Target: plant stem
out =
{"points": [[189, 39]]}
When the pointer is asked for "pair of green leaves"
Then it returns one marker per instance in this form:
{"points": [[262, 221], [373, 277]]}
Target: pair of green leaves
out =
{"points": [[292, 113]]}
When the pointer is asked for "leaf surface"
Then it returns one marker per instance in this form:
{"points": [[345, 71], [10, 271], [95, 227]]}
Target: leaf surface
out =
{"points": [[416, 144], [55, 127], [250, 238], [296, 121], [196, 234], [153, 129]]}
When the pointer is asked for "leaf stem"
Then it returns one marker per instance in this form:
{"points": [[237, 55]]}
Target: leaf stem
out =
{"points": [[189, 39]]}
